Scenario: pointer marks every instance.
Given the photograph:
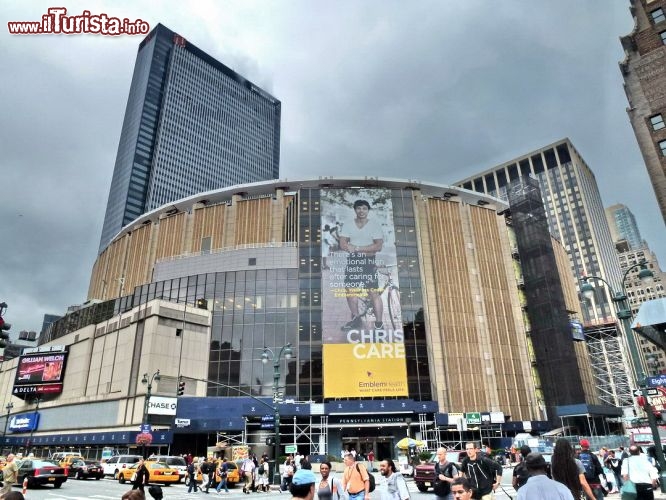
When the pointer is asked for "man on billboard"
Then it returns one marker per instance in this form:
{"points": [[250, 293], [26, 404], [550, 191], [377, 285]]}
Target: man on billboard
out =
{"points": [[362, 238]]}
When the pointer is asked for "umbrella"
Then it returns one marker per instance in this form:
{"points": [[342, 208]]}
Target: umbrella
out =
{"points": [[406, 443]]}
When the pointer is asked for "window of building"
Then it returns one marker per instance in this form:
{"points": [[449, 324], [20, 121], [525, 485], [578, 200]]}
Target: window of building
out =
{"points": [[657, 122], [658, 15], [205, 244], [662, 35], [662, 146]]}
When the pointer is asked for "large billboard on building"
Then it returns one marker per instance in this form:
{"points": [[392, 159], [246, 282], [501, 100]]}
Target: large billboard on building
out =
{"points": [[40, 373], [362, 335]]}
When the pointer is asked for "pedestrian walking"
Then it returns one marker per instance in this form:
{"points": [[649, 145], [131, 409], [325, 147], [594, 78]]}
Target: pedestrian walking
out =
{"points": [[565, 468], [637, 469], [223, 471], [539, 486], [9, 472], [141, 476], [192, 473], [484, 473]]}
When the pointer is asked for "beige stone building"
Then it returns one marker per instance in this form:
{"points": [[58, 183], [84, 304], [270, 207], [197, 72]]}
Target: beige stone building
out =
{"points": [[280, 264]]}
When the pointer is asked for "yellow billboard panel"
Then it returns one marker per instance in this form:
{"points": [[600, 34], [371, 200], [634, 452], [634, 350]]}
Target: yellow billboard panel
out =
{"points": [[365, 370]]}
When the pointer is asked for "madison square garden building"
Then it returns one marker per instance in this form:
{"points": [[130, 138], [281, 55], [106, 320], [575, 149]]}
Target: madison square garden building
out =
{"points": [[441, 348]]}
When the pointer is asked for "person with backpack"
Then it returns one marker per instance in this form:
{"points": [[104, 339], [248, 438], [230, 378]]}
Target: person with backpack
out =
{"points": [[396, 487], [484, 473], [445, 474], [593, 469], [520, 472], [356, 479], [223, 471], [262, 476]]}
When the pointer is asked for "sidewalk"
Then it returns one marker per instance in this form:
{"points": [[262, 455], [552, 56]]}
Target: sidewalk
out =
{"points": [[657, 495]]}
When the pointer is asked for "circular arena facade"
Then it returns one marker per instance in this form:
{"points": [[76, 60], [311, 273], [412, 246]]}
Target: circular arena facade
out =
{"points": [[400, 300]]}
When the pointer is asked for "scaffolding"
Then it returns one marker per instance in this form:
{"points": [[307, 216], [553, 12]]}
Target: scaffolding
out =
{"points": [[315, 431], [609, 363]]}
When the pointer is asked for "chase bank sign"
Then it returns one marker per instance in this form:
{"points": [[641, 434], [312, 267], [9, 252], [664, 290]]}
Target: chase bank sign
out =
{"points": [[162, 406], [22, 423]]}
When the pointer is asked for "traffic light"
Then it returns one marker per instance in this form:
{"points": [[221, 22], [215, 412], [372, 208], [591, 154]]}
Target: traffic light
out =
{"points": [[4, 337], [181, 386], [202, 303]]}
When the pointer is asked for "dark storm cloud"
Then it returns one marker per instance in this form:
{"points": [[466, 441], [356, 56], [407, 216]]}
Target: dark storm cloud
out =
{"points": [[426, 90]]}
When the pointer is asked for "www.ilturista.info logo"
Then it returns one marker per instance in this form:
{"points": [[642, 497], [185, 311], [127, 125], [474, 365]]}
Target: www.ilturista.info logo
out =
{"points": [[57, 22]]}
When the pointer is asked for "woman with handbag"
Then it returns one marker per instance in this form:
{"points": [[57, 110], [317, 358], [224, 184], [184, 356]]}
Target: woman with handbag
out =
{"points": [[639, 475]]}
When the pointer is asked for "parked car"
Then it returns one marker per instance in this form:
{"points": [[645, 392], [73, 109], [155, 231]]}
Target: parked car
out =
{"points": [[41, 472], [159, 473], [175, 462], [118, 463], [83, 469], [424, 474]]}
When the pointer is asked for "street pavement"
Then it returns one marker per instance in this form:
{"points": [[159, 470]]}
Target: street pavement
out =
{"points": [[108, 489]]}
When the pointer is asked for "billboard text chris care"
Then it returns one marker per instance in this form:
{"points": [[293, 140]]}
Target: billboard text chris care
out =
{"points": [[362, 335]]}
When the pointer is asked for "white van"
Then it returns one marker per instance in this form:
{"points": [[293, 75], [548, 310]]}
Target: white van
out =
{"points": [[118, 462]]}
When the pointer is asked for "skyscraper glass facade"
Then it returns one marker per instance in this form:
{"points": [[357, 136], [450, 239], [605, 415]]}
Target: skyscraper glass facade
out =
{"points": [[623, 226], [191, 125]]}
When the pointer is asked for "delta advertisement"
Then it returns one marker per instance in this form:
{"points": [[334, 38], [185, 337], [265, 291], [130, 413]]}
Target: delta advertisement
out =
{"points": [[362, 336], [40, 373]]}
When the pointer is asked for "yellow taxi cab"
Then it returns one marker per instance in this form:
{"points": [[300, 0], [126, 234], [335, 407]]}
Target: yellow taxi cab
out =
{"points": [[159, 473], [65, 459], [233, 472]]}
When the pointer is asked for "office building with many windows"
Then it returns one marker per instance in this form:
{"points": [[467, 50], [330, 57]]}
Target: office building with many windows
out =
{"points": [[644, 73], [576, 217], [191, 125], [623, 226]]}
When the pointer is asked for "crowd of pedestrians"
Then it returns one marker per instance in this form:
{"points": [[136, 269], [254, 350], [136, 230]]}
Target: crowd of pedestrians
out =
{"points": [[570, 474], [585, 474]]}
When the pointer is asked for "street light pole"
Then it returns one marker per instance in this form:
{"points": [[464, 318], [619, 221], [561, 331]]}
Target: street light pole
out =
{"points": [[9, 408], [267, 356], [624, 313], [37, 400], [149, 381]]}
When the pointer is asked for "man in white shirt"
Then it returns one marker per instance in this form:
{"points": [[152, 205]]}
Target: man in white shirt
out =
{"points": [[641, 472], [362, 238], [395, 487]]}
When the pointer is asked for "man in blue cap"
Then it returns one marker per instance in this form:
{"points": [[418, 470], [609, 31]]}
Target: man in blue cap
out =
{"points": [[303, 484]]}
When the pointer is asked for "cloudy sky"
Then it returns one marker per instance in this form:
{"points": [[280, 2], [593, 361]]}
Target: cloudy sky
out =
{"points": [[430, 90]]}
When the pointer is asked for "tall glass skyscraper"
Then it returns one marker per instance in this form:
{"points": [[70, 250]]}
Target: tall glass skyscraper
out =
{"points": [[191, 125], [622, 224]]}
